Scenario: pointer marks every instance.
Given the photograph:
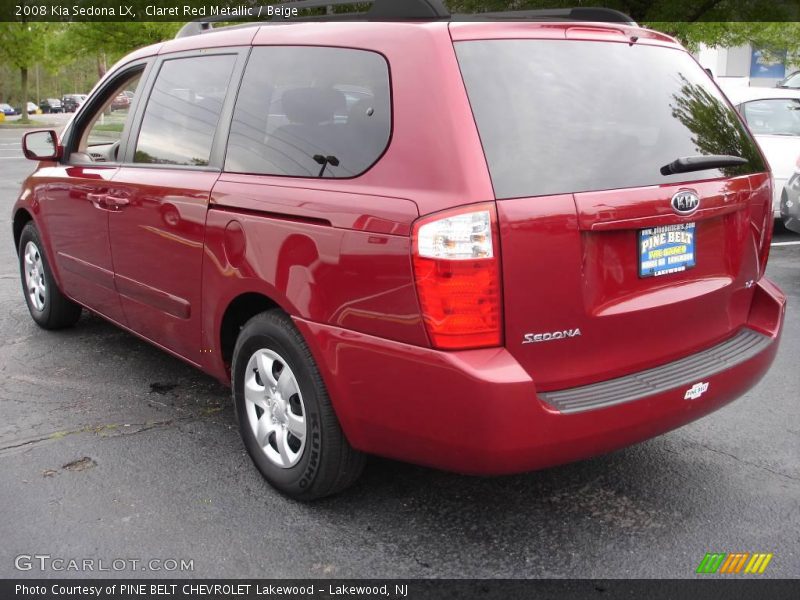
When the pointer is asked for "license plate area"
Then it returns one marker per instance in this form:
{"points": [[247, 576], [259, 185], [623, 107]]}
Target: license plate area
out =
{"points": [[667, 249]]}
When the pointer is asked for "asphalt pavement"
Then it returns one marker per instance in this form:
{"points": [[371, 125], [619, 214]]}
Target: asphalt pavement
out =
{"points": [[112, 450]]}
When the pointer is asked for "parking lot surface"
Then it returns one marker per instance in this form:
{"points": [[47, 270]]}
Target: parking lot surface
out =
{"points": [[111, 449]]}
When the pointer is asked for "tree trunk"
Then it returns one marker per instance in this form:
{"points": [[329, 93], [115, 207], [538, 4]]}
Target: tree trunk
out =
{"points": [[101, 65], [23, 71]]}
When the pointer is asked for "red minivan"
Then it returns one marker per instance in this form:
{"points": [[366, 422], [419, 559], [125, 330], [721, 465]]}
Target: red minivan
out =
{"points": [[487, 247]]}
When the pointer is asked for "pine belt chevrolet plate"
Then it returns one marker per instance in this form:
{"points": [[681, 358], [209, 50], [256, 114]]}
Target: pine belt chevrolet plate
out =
{"points": [[667, 249]]}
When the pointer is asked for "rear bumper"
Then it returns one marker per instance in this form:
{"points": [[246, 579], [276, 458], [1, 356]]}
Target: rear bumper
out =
{"points": [[478, 411]]}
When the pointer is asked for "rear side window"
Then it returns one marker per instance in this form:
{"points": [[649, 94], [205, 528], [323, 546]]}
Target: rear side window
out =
{"points": [[310, 112], [773, 117], [183, 111], [558, 116]]}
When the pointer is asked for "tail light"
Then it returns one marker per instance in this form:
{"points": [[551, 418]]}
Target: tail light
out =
{"points": [[457, 273]]}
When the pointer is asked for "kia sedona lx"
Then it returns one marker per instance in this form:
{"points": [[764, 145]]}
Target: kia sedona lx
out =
{"points": [[486, 247]]}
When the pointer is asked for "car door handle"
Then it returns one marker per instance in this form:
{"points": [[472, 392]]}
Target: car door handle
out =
{"points": [[117, 201], [99, 200]]}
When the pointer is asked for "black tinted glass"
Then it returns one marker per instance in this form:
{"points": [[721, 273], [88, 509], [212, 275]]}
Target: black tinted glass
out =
{"points": [[310, 112], [569, 116], [183, 111]]}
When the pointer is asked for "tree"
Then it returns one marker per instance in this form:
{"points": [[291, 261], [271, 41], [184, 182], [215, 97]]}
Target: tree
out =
{"points": [[762, 23], [714, 127], [109, 41], [775, 36], [22, 45]]}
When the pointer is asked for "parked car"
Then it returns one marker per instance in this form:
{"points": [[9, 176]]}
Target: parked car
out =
{"points": [[71, 102], [50, 105], [32, 109], [790, 200], [774, 118], [470, 267], [7, 109], [727, 83], [791, 81], [121, 102]]}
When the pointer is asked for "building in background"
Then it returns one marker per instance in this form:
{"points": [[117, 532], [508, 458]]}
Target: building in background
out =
{"points": [[746, 65]]}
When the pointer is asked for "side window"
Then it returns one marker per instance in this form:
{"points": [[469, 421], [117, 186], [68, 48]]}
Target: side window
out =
{"points": [[310, 112], [773, 116], [99, 140], [183, 110], [793, 81]]}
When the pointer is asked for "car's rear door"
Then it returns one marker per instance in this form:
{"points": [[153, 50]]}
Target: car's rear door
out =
{"points": [[604, 273], [161, 191]]}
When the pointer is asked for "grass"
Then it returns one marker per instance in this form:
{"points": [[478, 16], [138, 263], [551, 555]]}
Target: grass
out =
{"points": [[109, 127], [29, 125]]}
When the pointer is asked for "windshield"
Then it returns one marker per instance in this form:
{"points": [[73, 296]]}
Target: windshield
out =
{"points": [[793, 81], [773, 117], [558, 116]]}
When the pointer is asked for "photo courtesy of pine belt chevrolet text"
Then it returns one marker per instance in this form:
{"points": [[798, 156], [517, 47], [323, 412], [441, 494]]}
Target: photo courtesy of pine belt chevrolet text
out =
{"points": [[485, 246]]}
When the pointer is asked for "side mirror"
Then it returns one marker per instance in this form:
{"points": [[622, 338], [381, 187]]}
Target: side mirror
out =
{"points": [[41, 145]]}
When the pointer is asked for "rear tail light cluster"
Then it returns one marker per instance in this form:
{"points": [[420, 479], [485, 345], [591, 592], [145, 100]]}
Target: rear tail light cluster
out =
{"points": [[457, 272]]}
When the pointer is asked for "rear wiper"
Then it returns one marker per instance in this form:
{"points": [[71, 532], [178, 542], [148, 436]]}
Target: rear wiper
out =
{"points": [[686, 164], [325, 161]]}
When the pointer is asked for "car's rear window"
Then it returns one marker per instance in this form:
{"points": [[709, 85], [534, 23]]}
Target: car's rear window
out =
{"points": [[558, 116]]}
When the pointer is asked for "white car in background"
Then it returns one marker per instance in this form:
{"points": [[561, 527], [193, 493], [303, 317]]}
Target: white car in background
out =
{"points": [[773, 115]]}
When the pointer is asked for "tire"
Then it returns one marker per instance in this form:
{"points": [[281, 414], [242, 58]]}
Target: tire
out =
{"points": [[291, 399], [49, 308]]}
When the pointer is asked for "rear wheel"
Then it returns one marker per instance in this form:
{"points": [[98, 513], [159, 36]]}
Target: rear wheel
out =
{"points": [[285, 416], [49, 308]]}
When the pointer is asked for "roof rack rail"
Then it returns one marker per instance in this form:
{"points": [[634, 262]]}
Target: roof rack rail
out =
{"points": [[380, 10], [396, 10], [583, 13]]}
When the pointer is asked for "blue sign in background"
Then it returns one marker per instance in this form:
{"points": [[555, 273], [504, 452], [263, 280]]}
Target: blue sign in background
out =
{"points": [[768, 64]]}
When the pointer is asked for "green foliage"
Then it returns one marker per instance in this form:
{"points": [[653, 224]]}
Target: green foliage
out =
{"points": [[762, 23], [645, 11], [67, 57], [115, 39], [712, 124], [22, 45], [777, 36]]}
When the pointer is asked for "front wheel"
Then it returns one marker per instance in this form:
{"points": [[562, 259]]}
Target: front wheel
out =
{"points": [[285, 416], [49, 308]]}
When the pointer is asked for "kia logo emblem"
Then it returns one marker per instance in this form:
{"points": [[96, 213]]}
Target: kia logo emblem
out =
{"points": [[685, 202]]}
